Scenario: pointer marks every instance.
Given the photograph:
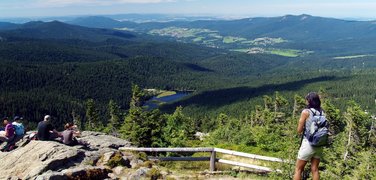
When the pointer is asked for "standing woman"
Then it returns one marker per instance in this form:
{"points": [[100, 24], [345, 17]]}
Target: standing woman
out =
{"points": [[306, 151]]}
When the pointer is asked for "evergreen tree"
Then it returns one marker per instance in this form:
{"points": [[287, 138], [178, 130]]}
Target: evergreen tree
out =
{"points": [[77, 120], [138, 96], [268, 101], [350, 156], [132, 126], [140, 127], [299, 104], [333, 115], [93, 122], [179, 129], [114, 121], [357, 121], [222, 119], [280, 102]]}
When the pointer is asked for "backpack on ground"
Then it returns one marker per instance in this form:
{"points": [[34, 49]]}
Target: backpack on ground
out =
{"points": [[18, 128], [317, 130]]}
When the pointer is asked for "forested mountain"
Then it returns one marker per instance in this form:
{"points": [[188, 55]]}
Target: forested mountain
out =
{"points": [[7, 25], [54, 67], [59, 30], [287, 35], [81, 60], [296, 28], [245, 100]]}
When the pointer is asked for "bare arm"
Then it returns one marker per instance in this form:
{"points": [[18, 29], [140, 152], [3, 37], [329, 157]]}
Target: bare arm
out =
{"points": [[76, 133], [7, 131], [302, 120]]}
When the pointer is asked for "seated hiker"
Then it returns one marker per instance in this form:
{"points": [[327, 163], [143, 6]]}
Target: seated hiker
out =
{"points": [[8, 134], [46, 131], [69, 135], [18, 126], [76, 131]]}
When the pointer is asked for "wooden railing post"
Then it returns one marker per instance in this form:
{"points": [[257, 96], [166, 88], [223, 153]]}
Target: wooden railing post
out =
{"points": [[212, 160]]}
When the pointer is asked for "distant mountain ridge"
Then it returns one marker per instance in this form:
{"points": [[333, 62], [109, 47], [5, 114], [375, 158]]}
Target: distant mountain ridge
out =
{"points": [[289, 35], [299, 28], [302, 27], [101, 22], [60, 30], [7, 25]]}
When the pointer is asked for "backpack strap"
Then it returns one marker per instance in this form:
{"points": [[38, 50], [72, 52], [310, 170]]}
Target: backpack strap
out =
{"points": [[314, 113], [303, 134]]}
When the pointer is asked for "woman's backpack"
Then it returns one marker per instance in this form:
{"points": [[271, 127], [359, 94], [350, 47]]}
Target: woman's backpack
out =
{"points": [[18, 128], [317, 129]]}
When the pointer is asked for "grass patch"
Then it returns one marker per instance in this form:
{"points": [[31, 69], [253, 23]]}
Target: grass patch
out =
{"points": [[198, 39], [353, 56], [231, 39], [240, 50], [285, 52], [166, 93]]}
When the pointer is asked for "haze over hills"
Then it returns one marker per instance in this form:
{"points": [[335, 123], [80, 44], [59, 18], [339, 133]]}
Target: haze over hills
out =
{"points": [[299, 35], [59, 30], [302, 27]]}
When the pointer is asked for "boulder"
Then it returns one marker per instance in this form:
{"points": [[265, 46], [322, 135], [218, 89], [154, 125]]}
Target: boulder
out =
{"points": [[106, 157], [140, 173], [118, 170], [86, 172], [136, 163], [101, 140], [53, 160], [36, 158]]}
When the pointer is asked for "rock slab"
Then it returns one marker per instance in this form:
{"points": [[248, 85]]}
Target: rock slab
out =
{"points": [[53, 160]]}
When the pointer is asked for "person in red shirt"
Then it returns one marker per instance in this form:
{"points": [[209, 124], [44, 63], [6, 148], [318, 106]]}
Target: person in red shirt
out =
{"points": [[8, 133]]}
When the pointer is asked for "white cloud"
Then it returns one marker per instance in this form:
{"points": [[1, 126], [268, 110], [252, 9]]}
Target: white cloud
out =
{"points": [[63, 3]]}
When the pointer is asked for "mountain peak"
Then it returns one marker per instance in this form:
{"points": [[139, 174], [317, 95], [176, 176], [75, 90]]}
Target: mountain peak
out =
{"points": [[101, 22], [296, 17]]}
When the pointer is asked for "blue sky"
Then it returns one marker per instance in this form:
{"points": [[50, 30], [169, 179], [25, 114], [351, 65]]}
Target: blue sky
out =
{"points": [[327, 8]]}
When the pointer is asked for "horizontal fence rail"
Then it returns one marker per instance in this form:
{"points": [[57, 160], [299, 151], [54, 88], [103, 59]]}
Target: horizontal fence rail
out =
{"points": [[152, 158], [247, 155], [167, 149], [234, 163], [212, 157]]}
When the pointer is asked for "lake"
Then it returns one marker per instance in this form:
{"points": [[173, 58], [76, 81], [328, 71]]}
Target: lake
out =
{"points": [[156, 101]]}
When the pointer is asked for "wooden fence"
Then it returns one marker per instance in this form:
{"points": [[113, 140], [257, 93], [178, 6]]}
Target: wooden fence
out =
{"points": [[212, 158]]}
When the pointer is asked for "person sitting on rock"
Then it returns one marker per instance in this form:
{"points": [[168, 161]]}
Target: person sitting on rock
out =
{"points": [[8, 134], [46, 131], [18, 126], [70, 134]]}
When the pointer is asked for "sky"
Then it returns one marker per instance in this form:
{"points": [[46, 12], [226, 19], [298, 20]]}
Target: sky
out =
{"points": [[251, 8]]}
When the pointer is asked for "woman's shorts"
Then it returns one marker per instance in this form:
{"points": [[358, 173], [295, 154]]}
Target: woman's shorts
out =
{"points": [[306, 151]]}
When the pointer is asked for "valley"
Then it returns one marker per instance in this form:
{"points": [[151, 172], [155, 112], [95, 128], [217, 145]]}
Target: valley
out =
{"points": [[211, 38], [157, 83]]}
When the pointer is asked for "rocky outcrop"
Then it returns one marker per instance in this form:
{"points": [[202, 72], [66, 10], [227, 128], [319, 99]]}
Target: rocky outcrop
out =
{"points": [[101, 140], [85, 172], [53, 160], [36, 158]]}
